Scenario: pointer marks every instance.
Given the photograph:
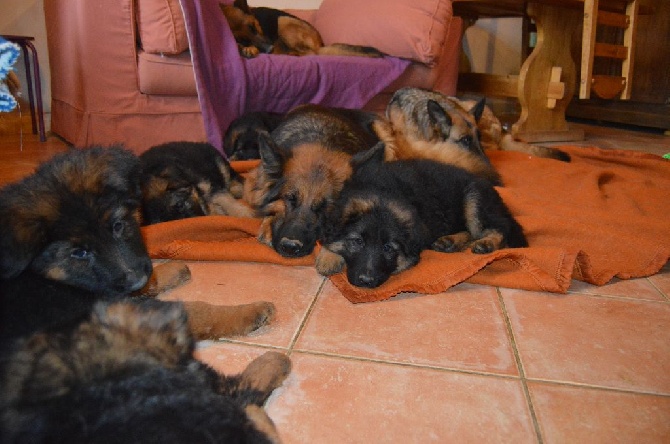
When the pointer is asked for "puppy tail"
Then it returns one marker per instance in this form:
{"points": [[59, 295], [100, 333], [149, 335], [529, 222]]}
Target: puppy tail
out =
{"points": [[350, 50], [508, 143]]}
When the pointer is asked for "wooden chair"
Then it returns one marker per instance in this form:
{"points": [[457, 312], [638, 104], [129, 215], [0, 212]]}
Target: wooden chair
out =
{"points": [[607, 86]]}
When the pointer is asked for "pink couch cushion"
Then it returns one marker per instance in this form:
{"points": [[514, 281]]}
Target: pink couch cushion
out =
{"points": [[160, 74], [161, 26], [413, 29]]}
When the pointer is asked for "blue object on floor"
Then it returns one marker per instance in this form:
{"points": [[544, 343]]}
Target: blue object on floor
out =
{"points": [[9, 53]]}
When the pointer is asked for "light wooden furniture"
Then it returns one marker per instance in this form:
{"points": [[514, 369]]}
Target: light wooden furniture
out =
{"points": [[649, 103], [608, 86], [548, 77]]}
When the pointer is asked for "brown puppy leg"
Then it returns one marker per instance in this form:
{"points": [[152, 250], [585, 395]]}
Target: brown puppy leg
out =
{"points": [[266, 373], [165, 277], [209, 321]]}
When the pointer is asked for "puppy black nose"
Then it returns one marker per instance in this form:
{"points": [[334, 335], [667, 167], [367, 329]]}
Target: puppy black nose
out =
{"points": [[365, 280], [290, 247]]}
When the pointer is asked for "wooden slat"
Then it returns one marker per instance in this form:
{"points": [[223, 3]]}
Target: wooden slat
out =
{"points": [[489, 84], [609, 51], [607, 18], [629, 41], [588, 47]]}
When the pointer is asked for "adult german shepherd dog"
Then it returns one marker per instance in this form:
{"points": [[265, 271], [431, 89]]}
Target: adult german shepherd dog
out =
{"points": [[127, 373], [71, 236], [272, 31], [391, 211], [430, 125], [304, 164], [189, 179]]}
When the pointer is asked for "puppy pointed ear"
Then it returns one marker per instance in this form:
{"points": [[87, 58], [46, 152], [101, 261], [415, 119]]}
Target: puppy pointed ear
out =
{"points": [[20, 243], [478, 109], [271, 158], [374, 155], [440, 121]]}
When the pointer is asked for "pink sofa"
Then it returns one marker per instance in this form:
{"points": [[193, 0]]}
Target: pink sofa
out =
{"points": [[121, 71]]}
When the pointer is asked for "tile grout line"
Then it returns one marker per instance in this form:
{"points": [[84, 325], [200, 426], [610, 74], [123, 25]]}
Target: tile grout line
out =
{"points": [[305, 318], [522, 374], [665, 297], [602, 388]]}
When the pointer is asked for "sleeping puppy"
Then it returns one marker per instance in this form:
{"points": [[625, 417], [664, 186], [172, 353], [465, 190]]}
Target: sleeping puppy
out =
{"points": [[273, 31], [127, 373], [430, 125], [389, 212], [241, 139], [189, 179], [71, 237], [304, 164]]}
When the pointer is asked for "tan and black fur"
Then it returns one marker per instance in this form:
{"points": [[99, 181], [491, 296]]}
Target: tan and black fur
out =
{"points": [[189, 179], [430, 125], [389, 212], [264, 30], [241, 139], [127, 373], [304, 164], [71, 236]]}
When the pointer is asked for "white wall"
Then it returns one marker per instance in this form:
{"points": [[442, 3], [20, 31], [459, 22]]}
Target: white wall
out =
{"points": [[26, 17], [494, 46]]}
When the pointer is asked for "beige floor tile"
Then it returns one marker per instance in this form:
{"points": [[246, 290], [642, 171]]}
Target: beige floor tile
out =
{"points": [[634, 288], [331, 400], [291, 289], [662, 281], [581, 415], [592, 340], [462, 328]]}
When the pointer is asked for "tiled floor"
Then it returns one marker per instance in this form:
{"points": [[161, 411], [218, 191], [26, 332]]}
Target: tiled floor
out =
{"points": [[473, 364]]}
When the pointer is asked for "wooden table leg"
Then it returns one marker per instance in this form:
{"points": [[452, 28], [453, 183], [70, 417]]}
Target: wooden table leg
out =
{"points": [[543, 120]]}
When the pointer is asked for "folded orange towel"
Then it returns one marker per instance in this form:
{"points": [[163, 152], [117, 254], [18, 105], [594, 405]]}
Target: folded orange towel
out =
{"points": [[604, 214]]}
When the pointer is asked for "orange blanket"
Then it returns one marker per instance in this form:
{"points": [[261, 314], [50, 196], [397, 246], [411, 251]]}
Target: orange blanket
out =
{"points": [[605, 214]]}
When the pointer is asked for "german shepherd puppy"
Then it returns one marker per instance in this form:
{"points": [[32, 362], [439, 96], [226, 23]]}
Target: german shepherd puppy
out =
{"points": [[304, 164], [127, 374], [273, 31], [189, 179], [71, 236], [241, 139], [391, 211], [428, 124]]}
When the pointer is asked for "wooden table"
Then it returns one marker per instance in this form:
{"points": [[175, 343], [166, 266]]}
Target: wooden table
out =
{"points": [[547, 80]]}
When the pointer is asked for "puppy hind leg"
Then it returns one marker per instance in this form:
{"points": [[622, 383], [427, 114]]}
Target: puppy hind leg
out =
{"points": [[452, 243], [487, 234], [225, 204], [209, 321], [264, 374], [491, 240]]}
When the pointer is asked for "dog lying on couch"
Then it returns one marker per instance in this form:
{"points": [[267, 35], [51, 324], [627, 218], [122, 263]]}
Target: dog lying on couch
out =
{"points": [[272, 31]]}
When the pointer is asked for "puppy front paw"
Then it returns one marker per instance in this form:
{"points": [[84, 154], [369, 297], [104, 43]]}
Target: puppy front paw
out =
{"points": [[328, 263], [265, 233]]}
